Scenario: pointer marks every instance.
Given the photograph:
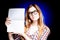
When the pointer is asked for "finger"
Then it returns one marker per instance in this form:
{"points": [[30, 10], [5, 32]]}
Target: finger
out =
{"points": [[8, 19], [7, 23]]}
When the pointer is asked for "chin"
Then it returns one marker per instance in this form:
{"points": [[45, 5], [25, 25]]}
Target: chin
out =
{"points": [[35, 19]]}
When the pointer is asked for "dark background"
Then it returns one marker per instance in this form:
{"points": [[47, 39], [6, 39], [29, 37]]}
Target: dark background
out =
{"points": [[54, 27]]}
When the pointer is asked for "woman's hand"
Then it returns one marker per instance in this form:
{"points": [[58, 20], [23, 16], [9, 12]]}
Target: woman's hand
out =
{"points": [[8, 21]]}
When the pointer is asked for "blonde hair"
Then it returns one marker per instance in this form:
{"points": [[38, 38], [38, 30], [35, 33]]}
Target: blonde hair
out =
{"points": [[28, 20]]}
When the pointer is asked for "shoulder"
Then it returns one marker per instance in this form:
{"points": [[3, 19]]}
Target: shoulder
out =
{"points": [[47, 28], [46, 32]]}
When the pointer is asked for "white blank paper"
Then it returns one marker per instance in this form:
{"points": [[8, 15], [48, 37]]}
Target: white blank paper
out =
{"points": [[16, 16]]}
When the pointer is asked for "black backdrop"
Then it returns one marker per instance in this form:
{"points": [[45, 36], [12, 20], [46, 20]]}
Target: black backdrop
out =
{"points": [[5, 5]]}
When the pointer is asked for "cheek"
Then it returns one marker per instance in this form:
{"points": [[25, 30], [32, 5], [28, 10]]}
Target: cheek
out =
{"points": [[31, 17], [36, 16]]}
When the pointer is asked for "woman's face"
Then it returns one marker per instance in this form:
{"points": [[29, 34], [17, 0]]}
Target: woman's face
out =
{"points": [[33, 14]]}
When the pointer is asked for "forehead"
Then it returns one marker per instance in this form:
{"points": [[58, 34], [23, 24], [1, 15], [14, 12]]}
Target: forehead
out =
{"points": [[31, 9]]}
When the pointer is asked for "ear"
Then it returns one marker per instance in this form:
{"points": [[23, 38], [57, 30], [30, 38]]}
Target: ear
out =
{"points": [[29, 20]]}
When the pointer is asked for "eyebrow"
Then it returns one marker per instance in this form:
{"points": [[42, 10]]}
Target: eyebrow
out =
{"points": [[33, 11]]}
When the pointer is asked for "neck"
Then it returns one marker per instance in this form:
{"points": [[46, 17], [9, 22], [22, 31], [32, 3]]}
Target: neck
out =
{"points": [[35, 23]]}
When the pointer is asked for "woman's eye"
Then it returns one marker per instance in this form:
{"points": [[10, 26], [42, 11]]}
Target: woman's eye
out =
{"points": [[35, 13]]}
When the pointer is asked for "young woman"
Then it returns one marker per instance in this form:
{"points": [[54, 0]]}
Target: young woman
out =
{"points": [[35, 29]]}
